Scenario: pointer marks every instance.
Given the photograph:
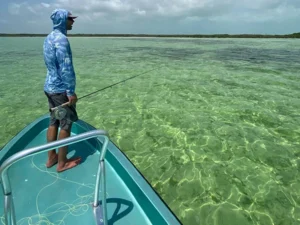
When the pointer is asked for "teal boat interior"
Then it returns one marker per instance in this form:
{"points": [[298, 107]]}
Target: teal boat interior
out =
{"points": [[34, 194]]}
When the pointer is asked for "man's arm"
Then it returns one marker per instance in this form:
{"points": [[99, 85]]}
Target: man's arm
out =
{"points": [[65, 62]]}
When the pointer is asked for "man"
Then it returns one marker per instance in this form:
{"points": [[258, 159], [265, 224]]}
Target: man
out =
{"points": [[60, 85]]}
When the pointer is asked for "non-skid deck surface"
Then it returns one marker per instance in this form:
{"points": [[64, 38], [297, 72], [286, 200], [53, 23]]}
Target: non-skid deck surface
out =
{"points": [[44, 197]]}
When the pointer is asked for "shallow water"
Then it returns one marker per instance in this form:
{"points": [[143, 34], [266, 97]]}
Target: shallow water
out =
{"points": [[213, 124]]}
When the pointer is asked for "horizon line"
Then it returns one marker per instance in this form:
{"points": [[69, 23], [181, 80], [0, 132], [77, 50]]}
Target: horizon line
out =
{"points": [[291, 35], [1, 33]]}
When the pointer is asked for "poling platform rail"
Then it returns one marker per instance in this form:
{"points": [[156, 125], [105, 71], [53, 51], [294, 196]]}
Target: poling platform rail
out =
{"points": [[9, 211]]}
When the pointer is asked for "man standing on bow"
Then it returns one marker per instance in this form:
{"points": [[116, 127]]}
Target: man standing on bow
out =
{"points": [[59, 86]]}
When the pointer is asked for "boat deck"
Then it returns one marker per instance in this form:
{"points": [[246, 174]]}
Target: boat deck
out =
{"points": [[43, 196]]}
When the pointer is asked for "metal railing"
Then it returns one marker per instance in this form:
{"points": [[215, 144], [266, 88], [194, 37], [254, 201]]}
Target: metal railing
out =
{"points": [[9, 211]]}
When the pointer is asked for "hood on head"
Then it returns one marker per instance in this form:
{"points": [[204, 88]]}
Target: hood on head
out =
{"points": [[59, 18]]}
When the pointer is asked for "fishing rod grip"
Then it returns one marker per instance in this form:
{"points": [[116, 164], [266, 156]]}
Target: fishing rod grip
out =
{"points": [[64, 104]]}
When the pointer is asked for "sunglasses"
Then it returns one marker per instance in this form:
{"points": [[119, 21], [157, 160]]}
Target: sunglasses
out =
{"points": [[70, 18]]}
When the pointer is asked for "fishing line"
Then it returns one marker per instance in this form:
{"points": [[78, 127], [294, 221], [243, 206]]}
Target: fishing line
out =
{"points": [[60, 112]]}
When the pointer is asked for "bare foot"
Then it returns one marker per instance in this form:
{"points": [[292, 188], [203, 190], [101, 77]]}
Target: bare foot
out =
{"points": [[52, 161], [69, 164]]}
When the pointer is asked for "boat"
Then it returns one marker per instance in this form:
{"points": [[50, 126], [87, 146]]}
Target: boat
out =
{"points": [[105, 189]]}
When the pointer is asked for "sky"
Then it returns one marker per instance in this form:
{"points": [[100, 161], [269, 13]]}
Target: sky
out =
{"points": [[155, 16]]}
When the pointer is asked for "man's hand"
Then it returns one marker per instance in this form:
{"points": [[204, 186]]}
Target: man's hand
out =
{"points": [[72, 99]]}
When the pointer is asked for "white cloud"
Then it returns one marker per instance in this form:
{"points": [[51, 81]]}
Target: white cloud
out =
{"points": [[14, 8], [114, 14], [144, 7], [140, 12], [280, 13], [25, 8], [259, 4], [181, 9], [31, 9], [46, 5]]}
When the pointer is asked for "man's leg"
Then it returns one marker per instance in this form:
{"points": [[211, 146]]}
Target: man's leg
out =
{"points": [[63, 162], [52, 136], [65, 130]]}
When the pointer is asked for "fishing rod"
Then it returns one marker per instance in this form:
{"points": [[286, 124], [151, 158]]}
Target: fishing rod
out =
{"points": [[60, 112], [122, 81]]}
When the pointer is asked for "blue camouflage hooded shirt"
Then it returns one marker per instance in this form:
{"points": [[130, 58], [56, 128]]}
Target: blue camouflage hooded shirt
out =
{"points": [[58, 57]]}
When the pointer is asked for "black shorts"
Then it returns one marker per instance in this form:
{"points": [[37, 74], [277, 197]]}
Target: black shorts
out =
{"points": [[56, 100]]}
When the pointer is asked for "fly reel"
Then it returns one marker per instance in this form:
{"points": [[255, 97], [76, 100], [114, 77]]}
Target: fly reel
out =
{"points": [[60, 112]]}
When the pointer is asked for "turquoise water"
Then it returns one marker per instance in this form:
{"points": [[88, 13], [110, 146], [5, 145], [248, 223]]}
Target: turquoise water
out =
{"points": [[214, 126]]}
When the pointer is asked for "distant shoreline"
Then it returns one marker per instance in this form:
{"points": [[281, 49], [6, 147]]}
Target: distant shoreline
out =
{"points": [[294, 35]]}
